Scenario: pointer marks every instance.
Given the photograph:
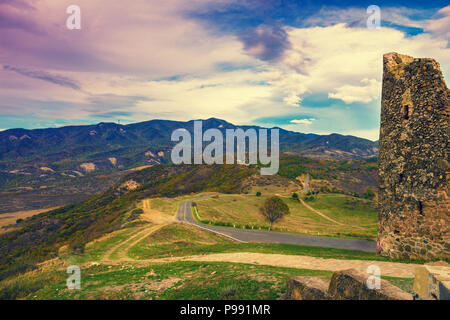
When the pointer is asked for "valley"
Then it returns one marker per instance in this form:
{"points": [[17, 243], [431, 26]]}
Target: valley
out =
{"points": [[159, 259], [135, 235]]}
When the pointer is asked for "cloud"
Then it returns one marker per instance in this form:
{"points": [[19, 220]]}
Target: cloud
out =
{"points": [[45, 76], [142, 38], [266, 42], [112, 114], [335, 59], [18, 15], [356, 17], [370, 90], [303, 121], [440, 26], [371, 134]]}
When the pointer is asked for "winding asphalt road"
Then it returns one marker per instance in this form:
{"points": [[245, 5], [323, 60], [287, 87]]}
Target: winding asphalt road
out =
{"points": [[184, 214]]}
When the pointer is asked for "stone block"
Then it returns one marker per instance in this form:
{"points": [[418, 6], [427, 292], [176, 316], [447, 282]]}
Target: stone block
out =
{"points": [[432, 282], [307, 288], [352, 285]]}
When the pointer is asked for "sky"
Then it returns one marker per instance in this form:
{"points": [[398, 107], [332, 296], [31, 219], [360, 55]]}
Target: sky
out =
{"points": [[307, 66]]}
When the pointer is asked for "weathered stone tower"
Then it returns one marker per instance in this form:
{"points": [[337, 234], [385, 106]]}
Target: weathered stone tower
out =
{"points": [[414, 207]]}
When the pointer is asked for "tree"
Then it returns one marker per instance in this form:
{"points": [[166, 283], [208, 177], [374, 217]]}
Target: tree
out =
{"points": [[258, 193], [274, 209], [369, 194], [295, 196]]}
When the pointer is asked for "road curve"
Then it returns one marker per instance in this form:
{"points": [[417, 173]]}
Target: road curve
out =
{"points": [[184, 214]]}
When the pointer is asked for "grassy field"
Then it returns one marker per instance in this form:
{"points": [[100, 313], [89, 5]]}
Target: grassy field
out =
{"points": [[178, 280], [358, 216], [105, 275], [178, 240], [139, 279], [166, 205]]}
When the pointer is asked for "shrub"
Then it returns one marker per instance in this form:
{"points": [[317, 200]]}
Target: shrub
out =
{"points": [[258, 193], [137, 211], [369, 194], [229, 293]]}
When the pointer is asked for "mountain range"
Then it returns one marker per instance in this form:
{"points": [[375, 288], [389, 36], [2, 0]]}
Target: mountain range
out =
{"points": [[76, 150], [55, 166]]}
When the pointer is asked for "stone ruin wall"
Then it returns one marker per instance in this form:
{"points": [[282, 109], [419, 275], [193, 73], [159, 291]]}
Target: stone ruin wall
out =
{"points": [[414, 218]]}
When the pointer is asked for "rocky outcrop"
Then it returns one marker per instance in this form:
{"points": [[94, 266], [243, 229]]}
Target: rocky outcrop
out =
{"points": [[352, 285], [307, 288], [414, 169]]}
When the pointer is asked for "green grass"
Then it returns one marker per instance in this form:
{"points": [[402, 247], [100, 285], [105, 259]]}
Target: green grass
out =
{"points": [[96, 250], [178, 280], [176, 240], [406, 284], [359, 216], [181, 240], [347, 209], [166, 205]]}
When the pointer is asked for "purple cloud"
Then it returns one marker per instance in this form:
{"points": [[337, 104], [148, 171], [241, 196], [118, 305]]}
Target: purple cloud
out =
{"points": [[266, 42], [45, 76]]}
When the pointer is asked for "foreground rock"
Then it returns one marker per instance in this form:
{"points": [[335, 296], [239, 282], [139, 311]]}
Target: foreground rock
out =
{"points": [[432, 282], [307, 288], [352, 285]]}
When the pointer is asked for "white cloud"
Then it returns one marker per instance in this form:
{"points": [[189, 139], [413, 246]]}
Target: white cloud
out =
{"points": [[370, 90], [345, 62], [303, 121], [440, 26], [371, 134], [357, 16]]}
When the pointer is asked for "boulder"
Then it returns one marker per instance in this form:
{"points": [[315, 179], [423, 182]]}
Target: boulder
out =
{"points": [[352, 285], [432, 282], [307, 288]]}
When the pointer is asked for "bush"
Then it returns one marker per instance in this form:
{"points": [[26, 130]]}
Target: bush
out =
{"points": [[137, 211], [19, 220], [135, 214], [258, 193], [295, 196], [229, 293], [369, 194]]}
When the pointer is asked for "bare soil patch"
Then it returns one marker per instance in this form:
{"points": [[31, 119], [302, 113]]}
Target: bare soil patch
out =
{"points": [[9, 219]]}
